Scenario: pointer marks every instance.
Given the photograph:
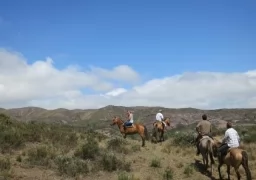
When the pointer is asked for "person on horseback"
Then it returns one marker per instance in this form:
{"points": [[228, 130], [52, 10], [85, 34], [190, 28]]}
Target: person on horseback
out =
{"points": [[129, 122], [160, 117], [231, 140], [203, 128]]}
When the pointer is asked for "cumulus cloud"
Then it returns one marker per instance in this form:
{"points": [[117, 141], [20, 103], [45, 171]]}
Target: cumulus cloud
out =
{"points": [[121, 73], [42, 84]]}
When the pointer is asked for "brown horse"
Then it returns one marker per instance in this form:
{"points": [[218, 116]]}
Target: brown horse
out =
{"points": [[136, 128], [234, 158], [158, 127], [206, 149]]}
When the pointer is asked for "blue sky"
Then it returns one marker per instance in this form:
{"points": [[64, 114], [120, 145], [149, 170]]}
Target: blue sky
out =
{"points": [[156, 38]]}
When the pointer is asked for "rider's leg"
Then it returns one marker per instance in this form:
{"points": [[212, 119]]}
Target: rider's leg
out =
{"points": [[222, 151], [197, 144]]}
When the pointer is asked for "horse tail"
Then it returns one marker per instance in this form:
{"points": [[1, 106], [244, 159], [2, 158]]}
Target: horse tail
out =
{"points": [[210, 150], [245, 165], [208, 145], [146, 132]]}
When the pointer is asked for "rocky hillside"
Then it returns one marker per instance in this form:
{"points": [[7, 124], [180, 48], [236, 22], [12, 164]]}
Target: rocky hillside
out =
{"points": [[101, 117]]}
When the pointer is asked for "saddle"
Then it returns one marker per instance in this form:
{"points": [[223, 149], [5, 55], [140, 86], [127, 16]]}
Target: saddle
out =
{"points": [[204, 136], [129, 126]]}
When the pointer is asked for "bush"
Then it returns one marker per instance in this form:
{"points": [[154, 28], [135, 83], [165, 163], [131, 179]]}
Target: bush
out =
{"points": [[184, 139], [10, 139], [118, 145], [189, 170], [155, 163], [89, 150], [5, 168], [5, 164], [41, 155], [168, 174], [71, 166], [111, 163]]}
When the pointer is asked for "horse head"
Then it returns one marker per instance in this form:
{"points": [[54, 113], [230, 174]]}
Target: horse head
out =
{"points": [[167, 121], [115, 120], [215, 147]]}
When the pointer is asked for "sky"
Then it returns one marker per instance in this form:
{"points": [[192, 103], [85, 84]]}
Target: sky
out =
{"points": [[89, 54]]}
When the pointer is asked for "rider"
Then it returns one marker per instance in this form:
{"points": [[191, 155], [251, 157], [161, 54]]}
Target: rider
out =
{"points": [[160, 117], [203, 128], [129, 122], [230, 140]]}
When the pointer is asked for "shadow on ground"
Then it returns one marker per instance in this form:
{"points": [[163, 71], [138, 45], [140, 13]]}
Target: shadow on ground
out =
{"points": [[201, 168]]}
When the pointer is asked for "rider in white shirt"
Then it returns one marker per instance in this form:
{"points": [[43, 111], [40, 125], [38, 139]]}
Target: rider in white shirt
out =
{"points": [[160, 117], [129, 122], [230, 140]]}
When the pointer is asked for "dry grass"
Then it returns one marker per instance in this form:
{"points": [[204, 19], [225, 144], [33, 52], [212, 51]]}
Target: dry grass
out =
{"points": [[70, 154]]}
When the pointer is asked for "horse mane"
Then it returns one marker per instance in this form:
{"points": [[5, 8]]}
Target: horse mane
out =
{"points": [[167, 118], [118, 117]]}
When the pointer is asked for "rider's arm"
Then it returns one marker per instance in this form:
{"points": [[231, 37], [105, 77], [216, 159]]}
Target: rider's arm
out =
{"points": [[238, 137], [225, 137], [198, 127]]}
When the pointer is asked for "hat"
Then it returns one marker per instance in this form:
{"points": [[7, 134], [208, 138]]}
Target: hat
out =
{"points": [[160, 110]]}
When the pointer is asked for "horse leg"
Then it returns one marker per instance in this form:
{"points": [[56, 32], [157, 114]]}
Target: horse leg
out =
{"points": [[228, 171], [212, 161], [211, 157], [206, 160], [157, 136], [237, 173], [219, 166], [143, 140], [162, 134]]}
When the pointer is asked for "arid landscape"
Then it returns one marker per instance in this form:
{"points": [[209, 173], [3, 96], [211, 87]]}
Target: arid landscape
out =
{"points": [[184, 116], [80, 144]]}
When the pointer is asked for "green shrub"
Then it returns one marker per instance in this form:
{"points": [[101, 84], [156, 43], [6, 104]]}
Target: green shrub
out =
{"points": [[118, 145], [184, 139], [89, 150], [5, 164], [111, 163], [41, 155], [168, 174], [189, 170], [10, 139], [71, 166], [155, 163]]}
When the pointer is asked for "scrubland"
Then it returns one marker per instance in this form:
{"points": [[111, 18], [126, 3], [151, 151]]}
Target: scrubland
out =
{"points": [[45, 151]]}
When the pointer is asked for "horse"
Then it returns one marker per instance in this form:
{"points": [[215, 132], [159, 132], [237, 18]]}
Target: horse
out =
{"points": [[136, 128], [234, 158], [206, 149], [158, 127]]}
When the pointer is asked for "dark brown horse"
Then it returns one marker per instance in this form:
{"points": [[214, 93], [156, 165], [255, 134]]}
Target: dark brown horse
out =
{"points": [[159, 127], [136, 128], [234, 158]]}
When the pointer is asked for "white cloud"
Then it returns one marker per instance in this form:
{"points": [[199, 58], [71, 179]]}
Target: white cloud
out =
{"points": [[41, 84], [116, 92], [121, 73]]}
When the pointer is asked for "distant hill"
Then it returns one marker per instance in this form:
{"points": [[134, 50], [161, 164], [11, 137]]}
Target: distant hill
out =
{"points": [[102, 117]]}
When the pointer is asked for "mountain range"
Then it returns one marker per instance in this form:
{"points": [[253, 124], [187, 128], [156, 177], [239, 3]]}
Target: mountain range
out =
{"points": [[102, 117]]}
